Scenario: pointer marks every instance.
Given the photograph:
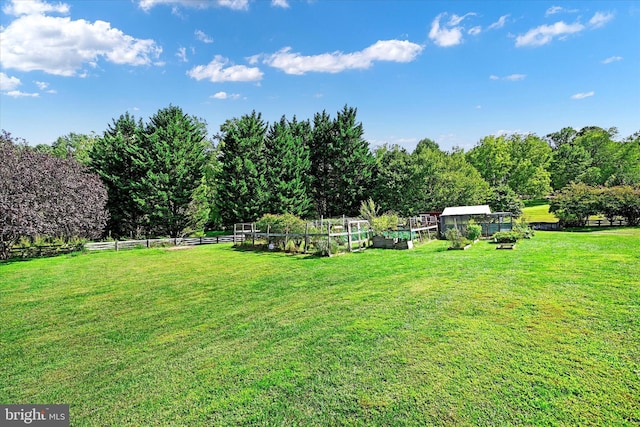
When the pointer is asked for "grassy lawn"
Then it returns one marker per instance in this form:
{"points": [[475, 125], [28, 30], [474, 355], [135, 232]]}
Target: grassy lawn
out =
{"points": [[546, 334], [538, 213]]}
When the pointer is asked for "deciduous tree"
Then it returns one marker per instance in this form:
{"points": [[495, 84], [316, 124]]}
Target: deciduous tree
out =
{"points": [[42, 195]]}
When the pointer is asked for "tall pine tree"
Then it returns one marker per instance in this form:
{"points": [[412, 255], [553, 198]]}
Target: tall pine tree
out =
{"points": [[241, 182], [287, 172], [173, 157], [341, 164], [112, 158]]}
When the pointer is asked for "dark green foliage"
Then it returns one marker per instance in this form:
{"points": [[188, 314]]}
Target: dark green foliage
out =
{"points": [[570, 163], [574, 204], [173, 157], [241, 180], [322, 152], [426, 180], [152, 173], [446, 179], [622, 201], [341, 164], [287, 180], [504, 199], [113, 158], [506, 236], [394, 184], [593, 157]]}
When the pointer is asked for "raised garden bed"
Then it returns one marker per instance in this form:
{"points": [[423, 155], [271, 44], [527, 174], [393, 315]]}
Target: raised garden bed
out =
{"points": [[506, 246], [463, 248]]}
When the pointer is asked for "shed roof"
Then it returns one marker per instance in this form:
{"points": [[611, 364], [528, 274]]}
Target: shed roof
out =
{"points": [[467, 210]]}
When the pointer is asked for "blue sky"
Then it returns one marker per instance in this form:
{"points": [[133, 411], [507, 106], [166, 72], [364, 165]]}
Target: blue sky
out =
{"points": [[450, 71]]}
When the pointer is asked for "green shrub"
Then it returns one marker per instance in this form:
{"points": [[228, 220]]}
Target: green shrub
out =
{"points": [[506, 236], [456, 238], [474, 231], [386, 222], [282, 224], [523, 229]]}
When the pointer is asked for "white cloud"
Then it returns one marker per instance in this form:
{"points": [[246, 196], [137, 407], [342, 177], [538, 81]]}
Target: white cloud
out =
{"points": [[515, 77], [182, 54], [474, 31], [455, 19], [62, 46], [553, 10], [225, 95], [600, 19], [280, 3], [335, 62], [8, 83], [19, 8], [19, 94], [450, 34], [499, 23], [611, 59], [583, 95], [557, 9], [544, 34], [203, 37], [41, 85], [510, 77], [216, 72], [234, 4], [147, 5]]}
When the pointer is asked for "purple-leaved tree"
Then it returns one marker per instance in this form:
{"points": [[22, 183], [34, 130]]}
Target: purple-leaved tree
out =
{"points": [[42, 195]]}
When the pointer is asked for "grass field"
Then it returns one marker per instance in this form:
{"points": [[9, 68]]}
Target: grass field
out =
{"points": [[546, 334], [538, 212]]}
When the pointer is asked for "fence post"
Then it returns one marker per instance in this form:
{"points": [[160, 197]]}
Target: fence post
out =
{"points": [[329, 239], [306, 237], [116, 246], [268, 228], [349, 237]]}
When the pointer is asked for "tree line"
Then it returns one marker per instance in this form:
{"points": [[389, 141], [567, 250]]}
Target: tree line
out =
{"points": [[167, 177]]}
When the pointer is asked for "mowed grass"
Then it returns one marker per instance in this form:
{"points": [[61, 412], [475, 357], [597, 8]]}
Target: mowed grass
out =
{"points": [[546, 334], [538, 213]]}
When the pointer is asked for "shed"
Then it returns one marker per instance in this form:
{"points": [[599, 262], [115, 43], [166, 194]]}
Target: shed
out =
{"points": [[459, 217]]}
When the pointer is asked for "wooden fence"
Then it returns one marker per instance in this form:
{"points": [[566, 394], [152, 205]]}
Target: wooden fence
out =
{"points": [[118, 245], [35, 251], [328, 238], [591, 223]]}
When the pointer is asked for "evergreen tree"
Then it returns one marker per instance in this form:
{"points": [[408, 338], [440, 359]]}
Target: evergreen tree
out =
{"points": [[341, 164], [173, 158], [322, 152], [354, 164], [287, 172], [112, 158], [241, 178]]}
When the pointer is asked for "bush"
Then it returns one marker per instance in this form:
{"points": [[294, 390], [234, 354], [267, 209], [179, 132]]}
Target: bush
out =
{"points": [[385, 222], [282, 224], [523, 230], [474, 231], [507, 236], [456, 239]]}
